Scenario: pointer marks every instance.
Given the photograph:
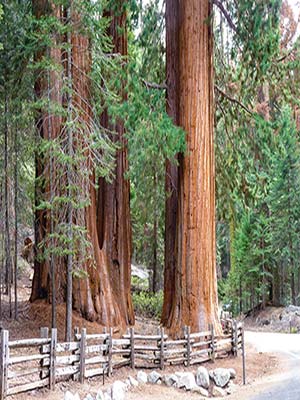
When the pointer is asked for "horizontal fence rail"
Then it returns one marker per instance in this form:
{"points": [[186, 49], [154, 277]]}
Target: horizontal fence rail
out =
{"points": [[29, 364]]}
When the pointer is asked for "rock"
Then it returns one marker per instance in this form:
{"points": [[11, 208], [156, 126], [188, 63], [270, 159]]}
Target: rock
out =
{"points": [[218, 392], [100, 395], [186, 380], [221, 376], [142, 377], [88, 397], [154, 377], [202, 377], [68, 396], [118, 390], [232, 372], [170, 380], [200, 390], [127, 384], [231, 388], [133, 382]]}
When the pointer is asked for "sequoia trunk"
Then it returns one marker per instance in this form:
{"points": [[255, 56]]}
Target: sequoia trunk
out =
{"points": [[113, 216], [97, 295], [171, 180], [194, 299]]}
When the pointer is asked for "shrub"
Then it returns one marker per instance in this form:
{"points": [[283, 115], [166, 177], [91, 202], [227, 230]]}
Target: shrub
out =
{"points": [[148, 304]]}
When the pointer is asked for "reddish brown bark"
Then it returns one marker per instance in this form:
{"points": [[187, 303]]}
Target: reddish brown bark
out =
{"points": [[171, 181], [194, 298], [114, 228], [104, 295]]}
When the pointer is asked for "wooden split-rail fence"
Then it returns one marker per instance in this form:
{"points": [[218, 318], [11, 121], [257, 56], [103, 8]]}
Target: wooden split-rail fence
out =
{"points": [[29, 364]]}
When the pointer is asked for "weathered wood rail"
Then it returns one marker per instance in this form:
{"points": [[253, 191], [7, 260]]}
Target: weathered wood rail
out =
{"points": [[29, 364]]}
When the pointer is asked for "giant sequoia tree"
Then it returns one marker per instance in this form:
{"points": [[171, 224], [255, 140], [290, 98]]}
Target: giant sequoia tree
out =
{"points": [[192, 272], [101, 238]]}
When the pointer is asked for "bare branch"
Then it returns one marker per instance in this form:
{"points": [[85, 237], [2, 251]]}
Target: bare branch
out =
{"points": [[151, 85], [220, 6], [233, 100]]}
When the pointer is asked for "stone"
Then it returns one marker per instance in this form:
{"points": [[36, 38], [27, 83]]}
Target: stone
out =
{"points": [[186, 380], [221, 376], [218, 392], [142, 377], [232, 372], [68, 396], [133, 382], [231, 388], [170, 380], [100, 395], [200, 390], [202, 377], [128, 384], [118, 390], [154, 377]]}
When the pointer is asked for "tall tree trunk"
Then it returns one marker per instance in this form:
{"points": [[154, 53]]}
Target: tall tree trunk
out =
{"points": [[16, 222], [69, 181], [194, 300], [114, 228], [107, 278], [171, 180]]}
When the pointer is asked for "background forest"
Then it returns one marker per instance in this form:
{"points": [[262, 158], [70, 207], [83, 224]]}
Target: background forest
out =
{"points": [[257, 126]]}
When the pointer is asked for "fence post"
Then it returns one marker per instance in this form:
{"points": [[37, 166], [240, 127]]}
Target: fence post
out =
{"points": [[82, 355], [76, 332], [187, 334], [235, 338], [244, 356], [44, 334], [132, 361], [212, 355], [52, 358], [4, 355], [162, 345], [110, 351]]}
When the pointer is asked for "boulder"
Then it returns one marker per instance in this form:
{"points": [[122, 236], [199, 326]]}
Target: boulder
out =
{"points": [[133, 382], [142, 377], [202, 377], [170, 380], [154, 377], [200, 390], [221, 376], [186, 380], [118, 390], [218, 392], [232, 372]]}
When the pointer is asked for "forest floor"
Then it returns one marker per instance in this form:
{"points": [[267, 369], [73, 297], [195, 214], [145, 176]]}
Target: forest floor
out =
{"points": [[274, 319]]}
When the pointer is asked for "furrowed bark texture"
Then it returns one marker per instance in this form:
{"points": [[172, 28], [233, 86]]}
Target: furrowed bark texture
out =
{"points": [[171, 180], [104, 294], [114, 226], [194, 301], [48, 126]]}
